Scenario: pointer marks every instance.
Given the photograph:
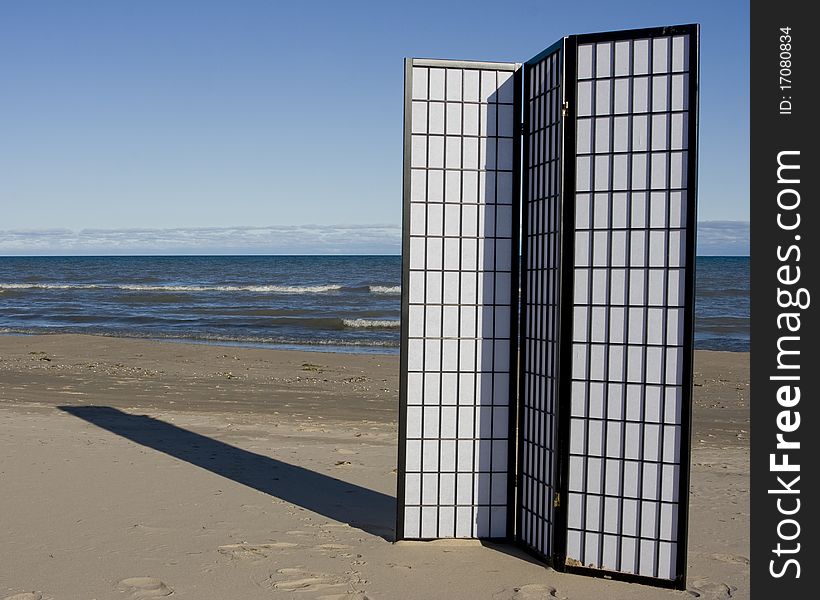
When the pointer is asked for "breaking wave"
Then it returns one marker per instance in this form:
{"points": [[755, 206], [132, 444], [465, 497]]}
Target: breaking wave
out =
{"points": [[135, 287], [389, 290], [372, 323]]}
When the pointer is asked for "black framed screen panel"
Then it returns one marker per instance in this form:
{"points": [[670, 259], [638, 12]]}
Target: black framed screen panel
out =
{"points": [[540, 287], [633, 261], [458, 297]]}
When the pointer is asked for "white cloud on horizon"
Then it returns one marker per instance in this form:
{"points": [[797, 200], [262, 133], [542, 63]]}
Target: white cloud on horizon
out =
{"points": [[714, 238], [723, 238], [287, 239]]}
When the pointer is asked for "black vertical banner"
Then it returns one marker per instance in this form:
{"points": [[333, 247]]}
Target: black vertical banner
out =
{"points": [[785, 271]]}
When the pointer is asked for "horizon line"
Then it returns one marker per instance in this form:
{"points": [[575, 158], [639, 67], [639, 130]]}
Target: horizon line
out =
{"points": [[147, 255]]}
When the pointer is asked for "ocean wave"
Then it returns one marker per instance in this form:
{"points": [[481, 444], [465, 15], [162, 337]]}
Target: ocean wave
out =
{"points": [[47, 286], [389, 290], [385, 290], [371, 323], [279, 289], [270, 340]]}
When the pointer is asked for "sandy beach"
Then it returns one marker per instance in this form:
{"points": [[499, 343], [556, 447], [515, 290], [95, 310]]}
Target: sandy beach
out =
{"points": [[142, 469]]}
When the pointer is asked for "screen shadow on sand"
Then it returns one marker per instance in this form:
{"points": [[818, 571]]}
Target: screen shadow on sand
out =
{"points": [[365, 509]]}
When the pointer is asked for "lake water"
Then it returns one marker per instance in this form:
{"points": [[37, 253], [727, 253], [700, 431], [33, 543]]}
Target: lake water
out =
{"points": [[347, 303]]}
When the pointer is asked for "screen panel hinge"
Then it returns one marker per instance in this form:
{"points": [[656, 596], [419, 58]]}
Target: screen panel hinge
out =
{"points": [[556, 500], [565, 109]]}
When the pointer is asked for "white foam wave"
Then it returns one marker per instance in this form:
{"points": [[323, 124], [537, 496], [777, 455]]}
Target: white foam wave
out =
{"points": [[46, 286], [295, 289], [280, 289], [386, 289], [163, 288], [375, 323]]}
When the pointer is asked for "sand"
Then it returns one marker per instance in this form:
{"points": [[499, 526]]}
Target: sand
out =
{"points": [[142, 469]]}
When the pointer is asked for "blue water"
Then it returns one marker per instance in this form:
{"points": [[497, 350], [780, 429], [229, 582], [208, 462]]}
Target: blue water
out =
{"points": [[722, 303], [347, 303]]}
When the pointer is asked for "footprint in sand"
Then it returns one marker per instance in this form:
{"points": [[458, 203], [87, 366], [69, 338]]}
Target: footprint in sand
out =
{"points": [[536, 591], [244, 551], [292, 580], [25, 596], [334, 550], [299, 580], [731, 558], [145, 587], [710, 590]]}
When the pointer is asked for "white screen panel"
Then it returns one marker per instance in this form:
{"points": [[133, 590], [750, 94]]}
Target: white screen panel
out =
{"points": [[628, 304], [540, 275], [460, 240]]}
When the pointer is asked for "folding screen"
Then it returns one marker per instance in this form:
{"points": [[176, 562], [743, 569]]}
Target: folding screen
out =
{"points": [[541, 236], [459, 299], [625, 381], [604, 376]]}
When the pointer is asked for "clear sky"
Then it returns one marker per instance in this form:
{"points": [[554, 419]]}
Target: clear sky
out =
{"points": [[123, 115]]}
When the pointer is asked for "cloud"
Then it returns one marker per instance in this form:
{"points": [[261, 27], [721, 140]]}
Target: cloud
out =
{"points": [[714, 238], [296, 239], [723, 238]]}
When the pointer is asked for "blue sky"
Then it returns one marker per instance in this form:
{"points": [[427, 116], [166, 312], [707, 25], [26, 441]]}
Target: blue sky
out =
{"points": [[198, 116]]}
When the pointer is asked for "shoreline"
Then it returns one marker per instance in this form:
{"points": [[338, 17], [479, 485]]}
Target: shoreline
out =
{"points": [[137, 469], [352, 348]]}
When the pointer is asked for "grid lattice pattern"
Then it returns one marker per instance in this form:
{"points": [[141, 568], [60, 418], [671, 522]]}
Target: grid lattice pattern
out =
{"points": [[628, 322], [462, 243], [540, 293]]}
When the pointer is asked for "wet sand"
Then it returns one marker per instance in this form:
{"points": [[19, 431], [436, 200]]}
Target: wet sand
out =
{"points": [[142, 469]]}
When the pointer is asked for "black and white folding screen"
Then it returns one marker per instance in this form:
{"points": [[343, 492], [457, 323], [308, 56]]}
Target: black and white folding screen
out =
{"points": [[459, 298], [572, 439]]}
